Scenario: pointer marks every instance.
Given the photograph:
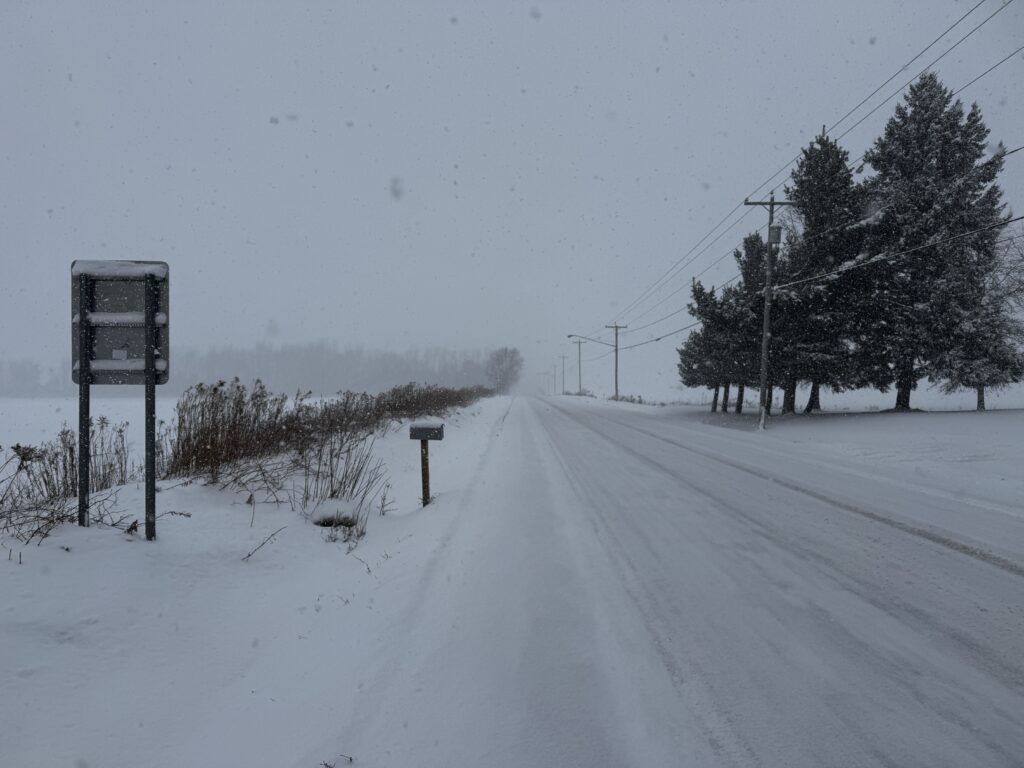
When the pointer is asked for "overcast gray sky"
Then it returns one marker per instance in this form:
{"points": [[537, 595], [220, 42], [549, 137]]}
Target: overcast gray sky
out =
{"points": [[447, 173]]}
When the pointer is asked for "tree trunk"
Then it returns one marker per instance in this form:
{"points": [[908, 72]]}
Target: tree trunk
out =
{"points": [[814, 401], [903, 387], [768, 399], [739, 398], [725, 398], [714, 400], [904, 384], [981, 397], [789, 397]]}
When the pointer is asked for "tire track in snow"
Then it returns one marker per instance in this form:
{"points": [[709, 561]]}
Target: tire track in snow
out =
{"points": [[879, 595], [716, 726], [935, 537]]}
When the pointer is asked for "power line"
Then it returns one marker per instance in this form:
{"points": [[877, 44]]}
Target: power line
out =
{"points": [[737, 275], [892, 77], [654, 285], [659, 320], [729, 252], [679, 265], [664, 335], [880, 257], [845, 227], [874, 260], [683, 266], [998, 64], [900, 90]]}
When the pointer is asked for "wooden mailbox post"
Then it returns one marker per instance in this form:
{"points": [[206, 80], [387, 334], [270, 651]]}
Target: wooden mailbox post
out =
{"points": [[424, 432]]}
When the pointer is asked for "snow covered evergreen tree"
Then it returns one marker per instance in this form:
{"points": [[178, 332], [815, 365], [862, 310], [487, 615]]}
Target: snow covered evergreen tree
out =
{"points": [[934, 182], [986, 348], [727, 349], [829, 204]]}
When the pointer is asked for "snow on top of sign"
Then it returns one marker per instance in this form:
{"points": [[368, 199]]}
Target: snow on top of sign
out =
{"points": [[122, 269], [121, 318], [135, 364], [427, 425]]}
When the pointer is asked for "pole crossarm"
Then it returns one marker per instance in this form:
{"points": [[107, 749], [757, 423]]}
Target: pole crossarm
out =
{"points": [[596, 341], [767, 203]]}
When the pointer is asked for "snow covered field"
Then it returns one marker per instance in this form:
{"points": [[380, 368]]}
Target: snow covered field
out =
{"points": [[597, 584], [33, 420]]}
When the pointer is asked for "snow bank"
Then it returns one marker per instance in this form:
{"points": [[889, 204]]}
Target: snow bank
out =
{"points": [[116, 651]]}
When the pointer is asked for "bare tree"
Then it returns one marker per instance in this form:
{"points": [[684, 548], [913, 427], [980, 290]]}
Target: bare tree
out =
{"points": [[504, 367]]}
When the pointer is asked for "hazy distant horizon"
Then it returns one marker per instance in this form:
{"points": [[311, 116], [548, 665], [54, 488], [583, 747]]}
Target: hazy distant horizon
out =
{"points": [[400, 175]]}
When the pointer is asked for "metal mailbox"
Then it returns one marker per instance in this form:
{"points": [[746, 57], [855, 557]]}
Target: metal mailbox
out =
{"points": [[425, 431]]}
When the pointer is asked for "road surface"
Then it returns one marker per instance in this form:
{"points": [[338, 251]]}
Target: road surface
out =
{"points": [[622, 589]]}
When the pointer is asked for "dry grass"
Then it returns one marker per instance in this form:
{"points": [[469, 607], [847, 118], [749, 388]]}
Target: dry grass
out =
{"points": [[316, 456], [39, 484]]}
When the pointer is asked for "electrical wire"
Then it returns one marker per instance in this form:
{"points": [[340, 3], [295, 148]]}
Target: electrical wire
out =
{"points": [[900, 90], [998, 64], [883, 257], [679, 266], [738, 275], [893, 76]]}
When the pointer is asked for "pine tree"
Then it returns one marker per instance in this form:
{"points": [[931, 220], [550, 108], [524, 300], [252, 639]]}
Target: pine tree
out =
{"points": [[985, 350], [933, 182], [703, 356], [727, 350], [829, 203]]}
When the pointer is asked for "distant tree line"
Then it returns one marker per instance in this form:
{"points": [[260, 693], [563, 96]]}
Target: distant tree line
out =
{"points": [[321, 367], [878, 283]]}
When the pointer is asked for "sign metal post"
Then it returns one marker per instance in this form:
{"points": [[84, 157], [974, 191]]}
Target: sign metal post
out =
{"points": [[122, 337]]}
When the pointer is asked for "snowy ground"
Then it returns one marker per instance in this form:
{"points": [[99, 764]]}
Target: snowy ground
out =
{"points": [[927, 397], [597, 584]]}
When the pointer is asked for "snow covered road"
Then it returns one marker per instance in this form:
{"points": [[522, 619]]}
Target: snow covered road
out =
{"points": [[596, 584], [612, 592]]}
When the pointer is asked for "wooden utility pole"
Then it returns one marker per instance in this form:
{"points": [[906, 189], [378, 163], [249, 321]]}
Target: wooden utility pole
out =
{"points": [[563, 374], [617, 327], [579, 365], [774, 238]]}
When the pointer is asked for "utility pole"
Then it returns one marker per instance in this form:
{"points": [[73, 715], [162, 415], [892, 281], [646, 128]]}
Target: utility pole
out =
{"points": [[554, 378], [616, 326], [774, 238], [579, 364], [563, 373]]}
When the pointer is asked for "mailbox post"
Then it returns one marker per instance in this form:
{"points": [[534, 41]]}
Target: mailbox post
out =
{"points": [[425, 432], [119, 335]]}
